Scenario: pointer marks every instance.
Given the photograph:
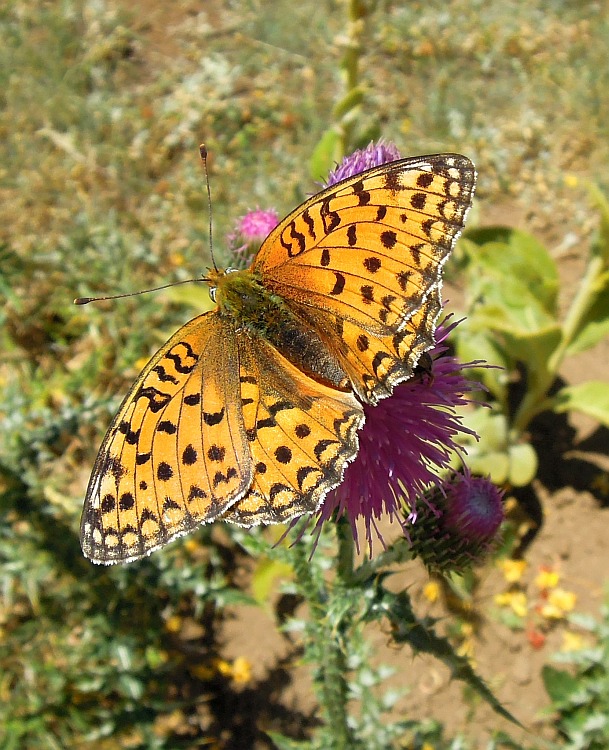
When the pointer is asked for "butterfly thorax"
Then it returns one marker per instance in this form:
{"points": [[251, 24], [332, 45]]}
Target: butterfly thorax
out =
{"points": [[257, 311], [241, 297]]}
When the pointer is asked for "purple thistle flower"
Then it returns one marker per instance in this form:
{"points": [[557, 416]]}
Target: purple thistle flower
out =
{"points": [[458, 524], [249, 233], [405, 444], [373, 155]]}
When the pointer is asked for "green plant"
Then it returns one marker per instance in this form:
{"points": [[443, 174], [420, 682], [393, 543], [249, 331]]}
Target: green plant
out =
{"points": [[514, 322], [580, 695]]}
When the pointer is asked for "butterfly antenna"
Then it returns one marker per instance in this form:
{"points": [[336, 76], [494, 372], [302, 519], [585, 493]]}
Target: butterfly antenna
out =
{"points": [[203, 152], [86, 300]]}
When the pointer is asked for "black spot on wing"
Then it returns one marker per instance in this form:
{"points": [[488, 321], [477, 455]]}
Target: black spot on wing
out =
{"points": [[178, 362], [164, 472], [339, 285], [214, 417], [126, 501], [163, 375], [424, 180], [381, 213], [418, 201]]}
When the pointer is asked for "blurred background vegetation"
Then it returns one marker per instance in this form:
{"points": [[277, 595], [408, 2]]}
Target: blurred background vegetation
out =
{"points": [[103, 105]]}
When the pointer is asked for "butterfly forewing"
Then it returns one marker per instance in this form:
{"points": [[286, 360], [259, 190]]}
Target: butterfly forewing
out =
{"points": [[302, 434], [364, 257], [176, 454]]}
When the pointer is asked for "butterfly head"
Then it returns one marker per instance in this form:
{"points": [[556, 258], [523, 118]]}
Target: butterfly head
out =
{"points": [[238, 293]]}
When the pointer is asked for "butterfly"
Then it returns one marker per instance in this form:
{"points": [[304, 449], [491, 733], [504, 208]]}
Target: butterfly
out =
{"points": [[250, 413]]}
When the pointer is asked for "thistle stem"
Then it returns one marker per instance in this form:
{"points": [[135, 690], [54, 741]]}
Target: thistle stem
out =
{"points": [[326, 638]]}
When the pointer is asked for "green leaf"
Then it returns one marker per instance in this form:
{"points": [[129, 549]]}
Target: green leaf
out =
{"points": [[591, 398], [326, 154], [421, 636], [559, 685], [523, 464], [282, 742], [600, 245], [496, 453], [534, 351], [266, 576], [195, 295], [510, 254], [476, 345], [508, 306], [594, 325]]}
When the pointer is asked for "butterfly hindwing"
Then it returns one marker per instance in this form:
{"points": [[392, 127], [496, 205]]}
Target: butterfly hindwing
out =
{"points": [[302, 435]]}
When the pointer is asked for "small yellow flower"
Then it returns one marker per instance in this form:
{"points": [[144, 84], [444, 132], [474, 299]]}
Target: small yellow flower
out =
{"points": [[547, 579], [176, 259], [242, 670], [563, 600], [431, 591], [173, 624], [571, 180], [572, 641], [515, 600], [513, 570], [466, 649], [551, 612], [225, 668]]}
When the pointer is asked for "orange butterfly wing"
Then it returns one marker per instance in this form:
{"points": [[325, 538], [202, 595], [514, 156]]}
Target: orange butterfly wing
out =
{"points": [[176, 454], [361, 263], [302, 435]]}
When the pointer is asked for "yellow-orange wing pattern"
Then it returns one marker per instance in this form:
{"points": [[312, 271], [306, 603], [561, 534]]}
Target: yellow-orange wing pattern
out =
{"points": [[218, 423], [362, 261], [302, 435], [250, 413], [176, 453]]}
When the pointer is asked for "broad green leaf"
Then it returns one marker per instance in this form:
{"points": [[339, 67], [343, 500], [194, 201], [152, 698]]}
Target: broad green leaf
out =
{"points": [[491, 428], [194, 295], [534, 351], [495, 465], [507, 305], [476, 345], [523, 464], [512, 254], [485, 456], [559, 685], [267, 575], [591, 398]]}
